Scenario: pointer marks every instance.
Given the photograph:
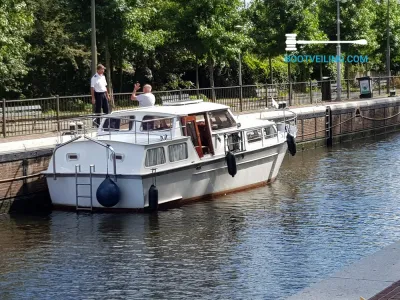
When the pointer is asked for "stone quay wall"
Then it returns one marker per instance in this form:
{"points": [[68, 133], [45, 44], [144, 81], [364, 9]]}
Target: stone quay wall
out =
{"points": [[337, 123], [19, 179], [317, 126]]}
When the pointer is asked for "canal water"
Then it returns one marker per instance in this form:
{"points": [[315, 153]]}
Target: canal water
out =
{"points": [[327, 209]]}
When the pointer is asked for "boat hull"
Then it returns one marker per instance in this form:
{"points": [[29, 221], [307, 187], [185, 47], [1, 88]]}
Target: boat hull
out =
{"points": [[207, 179]]}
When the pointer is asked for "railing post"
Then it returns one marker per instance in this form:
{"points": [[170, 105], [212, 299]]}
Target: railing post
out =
{"points": [[213, 94], [379, 84], [311, 99], [58, 112], [180, 94], [290, 84], [348, 88], [266, 95], [241, 97], [388, 85], [4, 117], [393, 85]]}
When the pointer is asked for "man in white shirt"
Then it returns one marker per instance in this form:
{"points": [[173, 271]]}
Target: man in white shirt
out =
{"points": [[145, 99], [98, 88]]}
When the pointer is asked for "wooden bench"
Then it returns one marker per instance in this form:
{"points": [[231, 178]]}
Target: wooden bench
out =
{"points": [[22, 111], [262, 92], [16, 114]]}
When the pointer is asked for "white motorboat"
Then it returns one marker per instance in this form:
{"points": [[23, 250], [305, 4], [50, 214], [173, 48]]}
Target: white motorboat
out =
{"points": [[142, 158]]}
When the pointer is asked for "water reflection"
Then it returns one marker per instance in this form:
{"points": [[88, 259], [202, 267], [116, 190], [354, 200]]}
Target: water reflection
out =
{"points": [[327, 209]]}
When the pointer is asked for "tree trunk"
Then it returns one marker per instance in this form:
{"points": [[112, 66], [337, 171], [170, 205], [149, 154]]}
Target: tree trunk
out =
{"points": [[303, 78], [121, 73], [108, 73], [211, 74], [197, 73], [197, 78]]}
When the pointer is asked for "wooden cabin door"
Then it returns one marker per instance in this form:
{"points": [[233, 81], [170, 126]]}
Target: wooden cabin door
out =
{"points": [[192, 130]]}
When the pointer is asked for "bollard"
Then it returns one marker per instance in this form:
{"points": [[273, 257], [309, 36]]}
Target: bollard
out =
{"points": [[4, 117]]}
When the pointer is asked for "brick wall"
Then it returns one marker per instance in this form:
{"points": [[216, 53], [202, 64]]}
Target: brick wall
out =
{"points": [[19, 168]]}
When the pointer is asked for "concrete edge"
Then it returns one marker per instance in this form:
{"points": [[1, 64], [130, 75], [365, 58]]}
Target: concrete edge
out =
{"points": [[364, 278]]}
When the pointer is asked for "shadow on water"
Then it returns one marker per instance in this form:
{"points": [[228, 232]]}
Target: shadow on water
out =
{"points": [[327, 209]]}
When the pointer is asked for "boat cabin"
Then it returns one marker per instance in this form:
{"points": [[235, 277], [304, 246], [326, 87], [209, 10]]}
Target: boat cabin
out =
{"points": [[204, 122]]}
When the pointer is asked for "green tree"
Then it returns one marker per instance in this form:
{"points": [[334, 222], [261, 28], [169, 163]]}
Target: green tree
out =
{"points": [[379, 55], [207, 28], [15, 24], [357, 22]]}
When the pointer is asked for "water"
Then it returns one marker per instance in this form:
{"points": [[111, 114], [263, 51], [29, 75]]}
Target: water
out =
{"points": [[326, 210]]}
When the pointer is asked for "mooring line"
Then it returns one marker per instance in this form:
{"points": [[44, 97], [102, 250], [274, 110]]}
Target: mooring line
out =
{"points": [[20, 178], [356, 116], [382, 119], [325, 129]]}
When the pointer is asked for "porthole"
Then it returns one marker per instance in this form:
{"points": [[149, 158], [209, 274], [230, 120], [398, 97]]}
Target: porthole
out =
{"points": [[72, 156]]}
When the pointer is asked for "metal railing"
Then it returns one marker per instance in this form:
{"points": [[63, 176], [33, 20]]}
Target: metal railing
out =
{"points": [[53, 114], [143, 128], [145, 132]]}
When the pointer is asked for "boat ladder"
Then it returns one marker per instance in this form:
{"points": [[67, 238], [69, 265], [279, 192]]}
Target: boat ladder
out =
{"points": [[88, 184]]}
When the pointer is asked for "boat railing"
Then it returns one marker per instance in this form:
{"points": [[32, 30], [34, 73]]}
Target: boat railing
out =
{"points": [[287, 122], [108, 148], [142, 130], [234, 140]]}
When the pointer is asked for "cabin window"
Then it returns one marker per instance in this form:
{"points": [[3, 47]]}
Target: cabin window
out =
{"points": [[234, 142], [72, 156], [118, 124], [155, 156], [177, 152], [254, 135], [269, 132], [150, 123], [221, 119]]}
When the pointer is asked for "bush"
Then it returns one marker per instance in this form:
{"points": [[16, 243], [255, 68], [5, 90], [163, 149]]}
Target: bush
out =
{"points": [[76, 105], [199, 97]]}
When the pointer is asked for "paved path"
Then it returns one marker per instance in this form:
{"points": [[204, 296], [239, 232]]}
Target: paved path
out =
{"points": [[366, 278]]}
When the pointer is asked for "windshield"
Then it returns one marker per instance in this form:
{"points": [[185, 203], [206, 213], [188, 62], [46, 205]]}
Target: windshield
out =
{"points": [[221, 119]]}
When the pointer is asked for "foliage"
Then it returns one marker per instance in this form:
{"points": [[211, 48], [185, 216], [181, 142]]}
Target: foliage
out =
{"points": [[45, 45], [15, 25], [260, 70]]}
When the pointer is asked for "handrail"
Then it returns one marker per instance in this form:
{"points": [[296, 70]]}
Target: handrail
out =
{"points": [[54, 153], [107, 146], [90, 139]]}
